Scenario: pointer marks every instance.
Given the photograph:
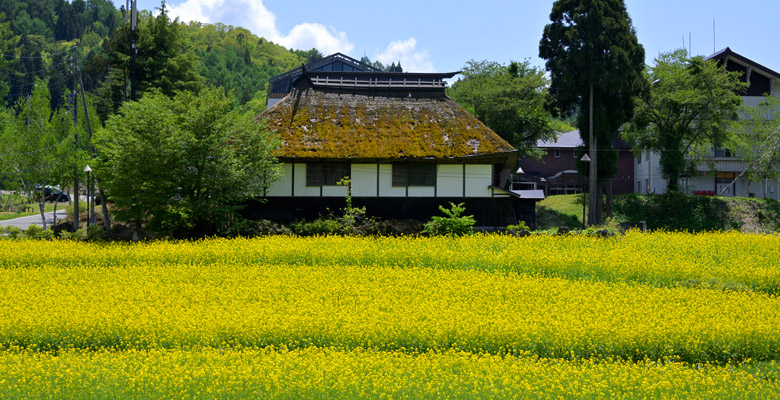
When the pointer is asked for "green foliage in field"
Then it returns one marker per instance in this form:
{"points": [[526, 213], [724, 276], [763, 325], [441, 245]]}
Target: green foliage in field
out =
{"points": [[455, 223]]}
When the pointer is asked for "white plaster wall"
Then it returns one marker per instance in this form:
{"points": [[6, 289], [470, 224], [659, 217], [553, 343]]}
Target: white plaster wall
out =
{"points": [[386, 188], [478, 179], [364, 179], [449, 180], [282, 187], [334, 191], [422, 191], [301, 190]]}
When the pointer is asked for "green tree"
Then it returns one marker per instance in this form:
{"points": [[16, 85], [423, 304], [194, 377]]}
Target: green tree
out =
{"points": [[757, 141], [508, 99], [690, 108], [34, 145], [596, 65], [6, 62], [183, 166], [164, 59]]}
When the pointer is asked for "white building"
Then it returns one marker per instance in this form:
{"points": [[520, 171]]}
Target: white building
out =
{"points": [[721, 167]]}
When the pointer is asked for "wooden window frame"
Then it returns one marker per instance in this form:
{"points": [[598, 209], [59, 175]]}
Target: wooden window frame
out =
{"points": [[326, 174], [414, 174]]}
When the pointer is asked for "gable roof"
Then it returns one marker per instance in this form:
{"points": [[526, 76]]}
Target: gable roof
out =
{"points": [[729, 54], [282, 84], [322, 121]]}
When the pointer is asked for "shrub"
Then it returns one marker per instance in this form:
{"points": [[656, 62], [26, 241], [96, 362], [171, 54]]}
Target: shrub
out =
{"points": [[320, 226], [95, 233], [249, 228], [14, 232], [453, 224], [521, 226], [72, 236]]}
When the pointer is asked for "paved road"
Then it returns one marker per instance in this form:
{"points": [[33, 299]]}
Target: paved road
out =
{"points": [[24, 222]]}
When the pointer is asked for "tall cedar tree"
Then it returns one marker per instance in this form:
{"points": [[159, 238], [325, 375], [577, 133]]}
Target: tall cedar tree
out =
{"points": [[592, 44], [690, 108], [163, 59]]}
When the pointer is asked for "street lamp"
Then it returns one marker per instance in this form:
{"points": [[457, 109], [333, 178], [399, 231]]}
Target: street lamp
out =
{"points": [[90, 197], [586, 160]]}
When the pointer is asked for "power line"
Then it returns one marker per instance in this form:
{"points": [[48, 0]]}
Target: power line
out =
{"points": [[35, 151], [14, 56]]}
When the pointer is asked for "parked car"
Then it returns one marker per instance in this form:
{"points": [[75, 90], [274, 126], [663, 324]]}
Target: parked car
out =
{"points": [[53, 194]]}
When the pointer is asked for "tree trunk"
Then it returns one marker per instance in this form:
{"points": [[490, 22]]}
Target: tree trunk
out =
{"points": [[104, 208], [42, 207], [75, 199]]}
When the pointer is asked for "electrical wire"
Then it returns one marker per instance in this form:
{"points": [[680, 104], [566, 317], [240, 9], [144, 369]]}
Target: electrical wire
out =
{"points": [[14, 56]]}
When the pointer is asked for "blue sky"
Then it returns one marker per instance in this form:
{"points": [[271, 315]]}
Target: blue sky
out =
{"points": [[440, 36]]}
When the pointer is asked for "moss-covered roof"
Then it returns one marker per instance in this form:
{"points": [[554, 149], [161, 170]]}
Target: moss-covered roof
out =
{"points": [[337, 124]]}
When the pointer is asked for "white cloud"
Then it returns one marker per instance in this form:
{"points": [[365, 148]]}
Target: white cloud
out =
{"points": [[405, 51], [252, 15]]}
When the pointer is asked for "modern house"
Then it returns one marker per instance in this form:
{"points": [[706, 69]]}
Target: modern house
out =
{"points": [[721, 168], [405, 146], [556, 172]]}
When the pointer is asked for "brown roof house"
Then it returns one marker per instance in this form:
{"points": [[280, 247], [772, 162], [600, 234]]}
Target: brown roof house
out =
{"points": [[406, 147]]}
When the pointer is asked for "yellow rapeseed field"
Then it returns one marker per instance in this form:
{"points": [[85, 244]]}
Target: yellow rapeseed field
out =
{"points": [[731, 260], [327, 373], [661, 314]]}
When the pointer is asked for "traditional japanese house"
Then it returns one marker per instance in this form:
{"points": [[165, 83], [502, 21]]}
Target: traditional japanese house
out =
{"points": [[406, 147]]}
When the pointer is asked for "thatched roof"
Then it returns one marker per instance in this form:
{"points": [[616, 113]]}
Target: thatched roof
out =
{"points": [[333, 123]]}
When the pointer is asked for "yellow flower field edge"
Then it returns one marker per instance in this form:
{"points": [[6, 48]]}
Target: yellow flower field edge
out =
{"points": [[317, 373], [726, 260], [151, 306]]}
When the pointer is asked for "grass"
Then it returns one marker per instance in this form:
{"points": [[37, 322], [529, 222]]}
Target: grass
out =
{"points": [[560, 210], [22, 202]]}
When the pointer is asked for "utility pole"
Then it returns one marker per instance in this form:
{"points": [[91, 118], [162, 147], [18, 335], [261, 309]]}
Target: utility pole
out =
{"points": [[594, 196], [75, 139], [103, 205]]}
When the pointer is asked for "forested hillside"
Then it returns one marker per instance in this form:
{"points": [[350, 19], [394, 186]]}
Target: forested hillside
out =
{"points": [[44, 41]]}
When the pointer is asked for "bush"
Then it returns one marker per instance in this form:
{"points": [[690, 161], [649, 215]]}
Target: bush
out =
{"points": [[14, 232], [95, 233], [521, 226], [453, 224], [320, 226], [396, 227], [250, 228], [72, 236], [675, 211]]}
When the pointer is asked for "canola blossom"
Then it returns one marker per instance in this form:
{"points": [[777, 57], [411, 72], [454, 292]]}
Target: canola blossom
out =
{"points": [[664, 315], [150, 306], [318, 373], [730, 260]]}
